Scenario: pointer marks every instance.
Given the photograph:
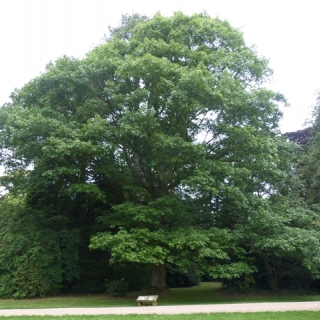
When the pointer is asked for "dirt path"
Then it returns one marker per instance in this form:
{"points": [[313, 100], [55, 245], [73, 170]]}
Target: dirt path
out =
{"points": [[208, 308]]}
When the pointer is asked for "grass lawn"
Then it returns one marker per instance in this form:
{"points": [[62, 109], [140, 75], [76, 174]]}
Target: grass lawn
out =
{"points": [[297, 315], [206, 293]]}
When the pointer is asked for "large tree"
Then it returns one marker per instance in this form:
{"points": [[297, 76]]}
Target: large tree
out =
{"points": [[164, 133], [194, 142]]}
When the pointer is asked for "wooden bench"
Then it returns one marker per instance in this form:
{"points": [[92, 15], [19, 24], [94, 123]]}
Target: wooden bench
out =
{"points": [[147, 299]]}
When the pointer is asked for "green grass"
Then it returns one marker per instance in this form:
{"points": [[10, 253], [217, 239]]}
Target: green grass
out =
{"points": [[292, 315], [211, 293], [206, 293]]}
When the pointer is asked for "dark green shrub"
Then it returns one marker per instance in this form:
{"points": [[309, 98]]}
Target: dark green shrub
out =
{"points": [[178, 279], [95, 269], [244, 283], [117, 288], [137, 275], [30, 257]]}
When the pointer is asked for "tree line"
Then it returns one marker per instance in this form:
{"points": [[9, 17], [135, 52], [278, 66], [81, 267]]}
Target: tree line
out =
{"points": [[159, 151]]}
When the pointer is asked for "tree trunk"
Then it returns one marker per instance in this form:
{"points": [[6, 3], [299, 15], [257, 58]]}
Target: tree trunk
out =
{"points": [[158, 278]]}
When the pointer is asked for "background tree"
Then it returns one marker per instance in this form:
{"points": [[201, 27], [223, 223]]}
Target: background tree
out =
{"points": [[310, 160], [47, 161], [300, 136], [34, 257]]}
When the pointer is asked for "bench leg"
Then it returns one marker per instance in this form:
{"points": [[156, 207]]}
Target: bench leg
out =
{"points": [[139, 304]]}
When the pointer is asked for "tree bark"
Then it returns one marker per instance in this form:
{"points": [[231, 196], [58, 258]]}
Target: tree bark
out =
{"points": [[158, 278]]}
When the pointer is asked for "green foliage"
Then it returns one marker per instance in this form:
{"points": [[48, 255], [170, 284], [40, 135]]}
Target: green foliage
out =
{"points": [[177, 279], [309, 160], [283, 241], [196, 142], [30, 260], [137, 276], [94, 269], [160, 146], [117, 288], [127, 24]]}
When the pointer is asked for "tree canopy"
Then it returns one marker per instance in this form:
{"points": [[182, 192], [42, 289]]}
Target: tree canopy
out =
{"points": [[161, 146]]}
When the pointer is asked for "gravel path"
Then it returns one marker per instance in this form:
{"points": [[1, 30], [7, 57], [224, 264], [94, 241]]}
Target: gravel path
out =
{"points": [[208, 308]]}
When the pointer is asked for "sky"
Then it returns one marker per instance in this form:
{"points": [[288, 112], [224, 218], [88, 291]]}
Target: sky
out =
{"points": [[35, 32]]}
